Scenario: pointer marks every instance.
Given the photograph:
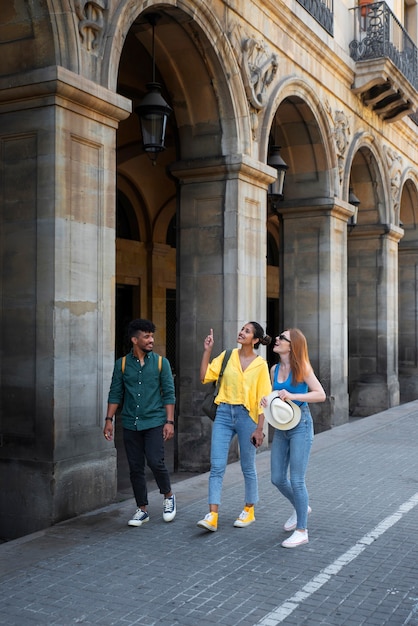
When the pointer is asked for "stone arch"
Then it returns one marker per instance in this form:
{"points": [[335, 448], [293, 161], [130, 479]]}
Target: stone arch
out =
{"points": [[408, 214], [366, 174], [65, 36], [190, 35], [311, 121]]}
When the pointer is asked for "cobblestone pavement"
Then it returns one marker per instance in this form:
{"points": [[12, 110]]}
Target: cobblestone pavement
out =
{"points": [[359, 567]]}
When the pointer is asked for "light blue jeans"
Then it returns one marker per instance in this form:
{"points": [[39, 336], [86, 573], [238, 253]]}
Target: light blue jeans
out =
{"points": [[232, 420], [290, 450]]}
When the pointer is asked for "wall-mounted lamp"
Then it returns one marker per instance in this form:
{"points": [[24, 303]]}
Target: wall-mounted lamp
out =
{"points": [[153, 111], [352, 199], [275, 190]]}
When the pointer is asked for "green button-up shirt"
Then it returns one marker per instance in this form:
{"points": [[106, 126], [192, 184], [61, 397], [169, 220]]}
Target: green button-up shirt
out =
{"points": [[144, 391]]}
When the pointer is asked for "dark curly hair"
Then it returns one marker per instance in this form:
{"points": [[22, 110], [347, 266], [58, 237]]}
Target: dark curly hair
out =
{"points": [[146, 326]]}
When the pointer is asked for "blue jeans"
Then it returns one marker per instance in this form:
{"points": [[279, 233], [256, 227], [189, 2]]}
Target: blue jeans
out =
{"points": [[232, 420], [290, 450]]}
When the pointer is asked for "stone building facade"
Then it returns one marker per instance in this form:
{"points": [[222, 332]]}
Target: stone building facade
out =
{"points": [[94, 233]]}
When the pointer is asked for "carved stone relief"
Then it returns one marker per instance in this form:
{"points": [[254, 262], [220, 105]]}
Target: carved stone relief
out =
{"points": [[394, 163], [258, 69], [341, 137], [91, 21]]}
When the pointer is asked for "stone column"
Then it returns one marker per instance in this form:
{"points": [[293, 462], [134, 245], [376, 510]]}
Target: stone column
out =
{"points": [[315, 295], [373, 318], [58, 134], [221, 277], [408, 322]]}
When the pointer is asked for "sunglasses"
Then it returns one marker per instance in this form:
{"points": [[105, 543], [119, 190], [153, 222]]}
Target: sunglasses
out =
{"points": [[284, 338]]}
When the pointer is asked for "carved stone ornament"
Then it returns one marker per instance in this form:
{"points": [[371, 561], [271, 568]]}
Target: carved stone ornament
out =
{"points": [[91, 21], [394, 163], [258, 69], [341, 137], [341, 134]]}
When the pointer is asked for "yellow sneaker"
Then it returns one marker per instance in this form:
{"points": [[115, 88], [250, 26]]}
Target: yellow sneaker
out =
{"points": [[209, 522], [246, 518]]}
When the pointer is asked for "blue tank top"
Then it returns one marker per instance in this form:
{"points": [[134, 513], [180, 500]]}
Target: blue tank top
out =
{"points": [[289, 386]]}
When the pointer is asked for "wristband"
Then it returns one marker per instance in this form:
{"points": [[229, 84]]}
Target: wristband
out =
{"points": [[109, 418], [170, 422]]}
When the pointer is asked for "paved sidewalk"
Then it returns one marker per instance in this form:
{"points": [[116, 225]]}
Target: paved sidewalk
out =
{"points": [[360, 566]]}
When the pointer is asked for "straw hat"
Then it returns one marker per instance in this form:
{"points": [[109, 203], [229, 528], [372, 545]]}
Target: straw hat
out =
{"points": [[282, 414]]}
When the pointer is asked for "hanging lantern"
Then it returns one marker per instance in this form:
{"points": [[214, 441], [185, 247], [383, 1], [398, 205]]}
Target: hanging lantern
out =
{"points": [[153, 111]]}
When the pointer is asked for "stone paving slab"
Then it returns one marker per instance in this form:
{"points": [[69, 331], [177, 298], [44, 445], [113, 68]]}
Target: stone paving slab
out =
{"points": [[360, 566]]}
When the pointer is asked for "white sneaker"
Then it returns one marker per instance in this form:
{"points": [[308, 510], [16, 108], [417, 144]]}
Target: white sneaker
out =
{"points": [[291, 522], [139, 518], [298, 538], [169, 508]]}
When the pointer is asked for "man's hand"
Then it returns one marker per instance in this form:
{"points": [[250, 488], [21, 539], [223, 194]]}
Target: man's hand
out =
{"points": [[108, 430], [168, 432]]}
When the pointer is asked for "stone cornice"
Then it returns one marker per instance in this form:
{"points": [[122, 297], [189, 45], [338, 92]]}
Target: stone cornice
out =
{"points": [[316, 207], [57, 85], [372, 231], [224, 168]]}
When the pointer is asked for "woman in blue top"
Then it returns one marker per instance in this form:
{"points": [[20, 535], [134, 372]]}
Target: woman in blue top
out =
{"points": [[293, 379]]}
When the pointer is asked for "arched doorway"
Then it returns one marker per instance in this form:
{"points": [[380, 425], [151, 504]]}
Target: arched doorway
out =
{"points": [[181, 201], [372, 291], [408, 293], [309, 224]]}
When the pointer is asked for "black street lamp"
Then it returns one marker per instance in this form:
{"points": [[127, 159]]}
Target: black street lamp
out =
{"points": [[352, 199], [275, 191], [153, 111]]}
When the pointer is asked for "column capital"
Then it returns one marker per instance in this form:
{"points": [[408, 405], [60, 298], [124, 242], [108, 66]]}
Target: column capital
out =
{"points": [[316, 207], [373, 231], [226, 167]]}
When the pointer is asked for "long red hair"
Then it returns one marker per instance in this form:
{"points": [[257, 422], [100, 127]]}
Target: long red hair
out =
{"points": [[299, 357]]}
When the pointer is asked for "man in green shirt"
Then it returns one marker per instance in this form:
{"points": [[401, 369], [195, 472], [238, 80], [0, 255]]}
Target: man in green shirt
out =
{"points": [[143, 381]]}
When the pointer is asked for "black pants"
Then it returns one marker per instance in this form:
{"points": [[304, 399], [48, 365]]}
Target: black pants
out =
{"points": [[141, 445]]}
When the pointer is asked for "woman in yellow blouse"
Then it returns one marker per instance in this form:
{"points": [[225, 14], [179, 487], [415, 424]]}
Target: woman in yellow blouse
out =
{"points": [[244, 382]]}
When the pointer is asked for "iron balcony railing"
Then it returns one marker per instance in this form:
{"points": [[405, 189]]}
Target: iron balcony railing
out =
{"points": [[378, 34], [322, 11]]}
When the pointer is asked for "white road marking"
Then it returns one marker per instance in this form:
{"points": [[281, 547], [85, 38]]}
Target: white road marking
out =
{"points": [[280, 613]]}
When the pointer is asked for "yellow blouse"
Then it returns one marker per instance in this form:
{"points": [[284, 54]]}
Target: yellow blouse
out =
{"points": [[241, 387]]}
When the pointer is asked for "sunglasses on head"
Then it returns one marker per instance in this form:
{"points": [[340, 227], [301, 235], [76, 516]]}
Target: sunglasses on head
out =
{"points": [[284, 338]]}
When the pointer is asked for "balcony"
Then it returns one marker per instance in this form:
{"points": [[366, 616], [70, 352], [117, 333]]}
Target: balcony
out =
{"points": [[386, 58], [322, 11]]}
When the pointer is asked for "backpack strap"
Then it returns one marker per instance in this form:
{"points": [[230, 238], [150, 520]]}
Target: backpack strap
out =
{"points": [[160, 363], [224, 364]]}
